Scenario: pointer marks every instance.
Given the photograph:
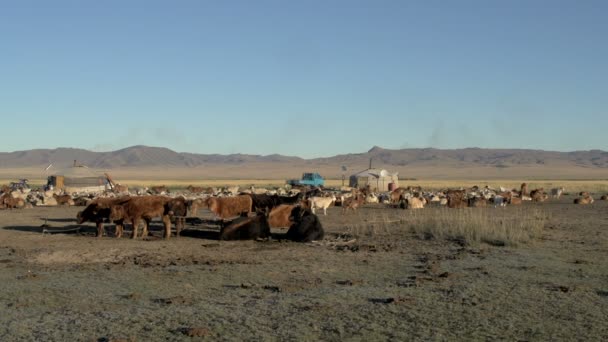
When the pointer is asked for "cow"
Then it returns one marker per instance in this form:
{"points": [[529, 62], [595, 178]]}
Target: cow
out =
{"points": [[247, 228], [281, 216], [538, 195], [177, 209], [306, 226], [10, 202], [228, 207], [397, 195], [456, 199], [98, 211], [321, 203], [477, 202], [64, 200], [584, 200], [142, 208], [604, 198], [523, 190], [515, 201], [557, 192]]}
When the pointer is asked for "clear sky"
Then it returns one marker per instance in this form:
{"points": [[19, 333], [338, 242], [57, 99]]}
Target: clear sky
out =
{"points": [[308, 78]]}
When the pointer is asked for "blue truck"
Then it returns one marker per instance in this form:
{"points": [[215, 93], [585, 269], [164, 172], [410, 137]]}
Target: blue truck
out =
{"points": [[308, 178]]}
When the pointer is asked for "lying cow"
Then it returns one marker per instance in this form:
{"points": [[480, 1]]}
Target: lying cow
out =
{"points": [[456, 199], [477, 202], [281, 216], [247, 228], [306, 227], [584, 200]]}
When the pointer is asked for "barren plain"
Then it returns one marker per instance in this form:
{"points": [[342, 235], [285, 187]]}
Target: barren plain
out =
{"points": [[374, 277]]}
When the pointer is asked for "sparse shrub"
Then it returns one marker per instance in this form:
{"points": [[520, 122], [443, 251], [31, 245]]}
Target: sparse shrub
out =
{"points": [[474, 225]]}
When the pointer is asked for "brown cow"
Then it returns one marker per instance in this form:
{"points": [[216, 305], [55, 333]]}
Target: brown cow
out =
{"points": [[281, 216], [477, 202], [604, 197], [142, 208], [538, 195], [584, 200], [456, 199], [523, 190], [10, 202], [98, 211], [63, 199], [228, 207], [515, 201]]}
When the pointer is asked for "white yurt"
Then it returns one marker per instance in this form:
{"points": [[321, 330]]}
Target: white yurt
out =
{"points": [[378, 180], [78, 179]]}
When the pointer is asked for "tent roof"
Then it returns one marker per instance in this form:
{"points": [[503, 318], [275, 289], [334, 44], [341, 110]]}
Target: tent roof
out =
{"points": [[374, 173], [78, 172]]}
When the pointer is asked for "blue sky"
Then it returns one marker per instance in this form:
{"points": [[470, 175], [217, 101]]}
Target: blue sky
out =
{"points": [[307, 78]]}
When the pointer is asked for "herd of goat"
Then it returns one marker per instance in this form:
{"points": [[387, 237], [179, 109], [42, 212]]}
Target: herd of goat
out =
{"points": [[251, 213]]}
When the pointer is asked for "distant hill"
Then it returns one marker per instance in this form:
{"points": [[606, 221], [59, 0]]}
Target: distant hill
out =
{"points": [[417, 162]]}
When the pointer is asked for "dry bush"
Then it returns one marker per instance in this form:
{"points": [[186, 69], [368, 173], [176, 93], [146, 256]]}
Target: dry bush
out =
{"points": [[495, 226], [475, 225]]}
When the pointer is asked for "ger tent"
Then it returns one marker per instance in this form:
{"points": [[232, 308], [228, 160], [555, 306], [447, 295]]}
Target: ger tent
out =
{"points": [[78, 179], [377, 179]]}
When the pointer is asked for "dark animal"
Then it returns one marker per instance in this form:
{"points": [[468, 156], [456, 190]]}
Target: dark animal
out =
{"points": [[306, 227], [477, 202], [247, 228], [267, 202], [98, 211], [177, 210]]}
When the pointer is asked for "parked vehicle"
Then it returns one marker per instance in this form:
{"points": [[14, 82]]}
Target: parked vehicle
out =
{"points": [[308, 178]]}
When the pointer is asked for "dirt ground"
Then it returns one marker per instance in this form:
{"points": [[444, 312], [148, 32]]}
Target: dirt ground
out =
{"points": [[384, 284]]}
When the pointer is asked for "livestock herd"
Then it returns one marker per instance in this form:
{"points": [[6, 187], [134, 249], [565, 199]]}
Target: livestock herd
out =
{"points": [[251, 213]]}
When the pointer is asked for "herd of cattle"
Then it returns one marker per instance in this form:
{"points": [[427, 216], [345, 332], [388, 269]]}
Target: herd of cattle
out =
{"points": [[251, 213]]}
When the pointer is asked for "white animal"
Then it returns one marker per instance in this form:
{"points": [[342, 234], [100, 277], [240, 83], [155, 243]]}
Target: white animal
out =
{"points": [[371, 198], [321, 203]]}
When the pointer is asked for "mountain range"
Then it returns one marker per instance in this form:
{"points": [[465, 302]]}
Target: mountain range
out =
{"points": [[493, 161]]}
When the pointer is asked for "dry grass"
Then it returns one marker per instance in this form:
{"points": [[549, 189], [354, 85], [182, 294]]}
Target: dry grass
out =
{"points": [[496, 226]]}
